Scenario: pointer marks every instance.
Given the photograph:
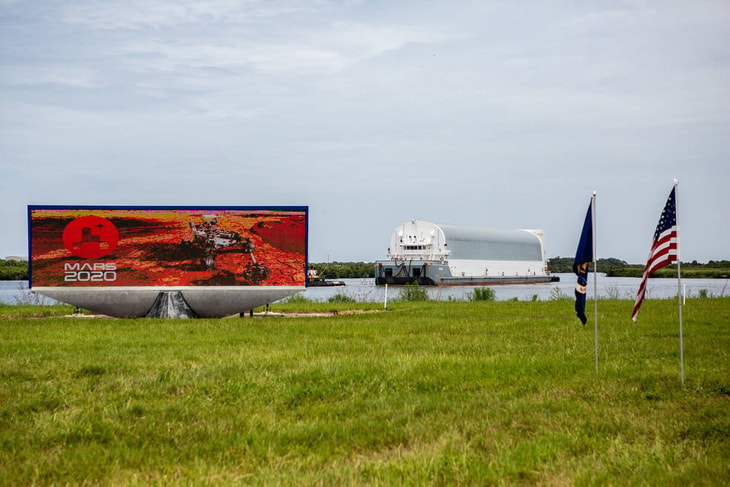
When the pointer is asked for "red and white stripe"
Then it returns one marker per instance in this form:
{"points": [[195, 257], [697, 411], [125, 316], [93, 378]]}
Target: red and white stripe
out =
{"points": [[663, 253]]}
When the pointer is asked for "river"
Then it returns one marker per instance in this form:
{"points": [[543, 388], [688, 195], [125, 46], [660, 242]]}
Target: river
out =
{"points": [[608, 287], [365, 290]]}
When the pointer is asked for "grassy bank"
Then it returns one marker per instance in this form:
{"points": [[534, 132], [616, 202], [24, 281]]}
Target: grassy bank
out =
{"points": [[425, 393]]}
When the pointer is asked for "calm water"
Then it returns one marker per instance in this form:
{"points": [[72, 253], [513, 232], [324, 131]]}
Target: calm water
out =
{"points": [[365, 290], [608, 287], [16, 292]]}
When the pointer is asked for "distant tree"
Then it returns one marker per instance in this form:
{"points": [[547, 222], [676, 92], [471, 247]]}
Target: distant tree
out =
{"points": [[565, 264], [13, 270], [560, 264]]}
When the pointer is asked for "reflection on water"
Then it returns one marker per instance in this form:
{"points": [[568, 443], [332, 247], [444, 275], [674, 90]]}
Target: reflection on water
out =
{"points": [[365, 290]]}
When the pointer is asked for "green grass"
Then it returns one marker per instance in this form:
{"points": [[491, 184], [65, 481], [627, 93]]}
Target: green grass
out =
{"points": [[14, 311], [436, 393]]}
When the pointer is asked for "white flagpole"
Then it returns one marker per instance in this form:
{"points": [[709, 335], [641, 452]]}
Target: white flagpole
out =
{"points": [[679, 283], [595, 278]]}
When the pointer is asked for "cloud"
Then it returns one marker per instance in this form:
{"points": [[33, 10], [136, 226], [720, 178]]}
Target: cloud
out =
{"points": [[141, 14], [50, 74], [493, 113]]}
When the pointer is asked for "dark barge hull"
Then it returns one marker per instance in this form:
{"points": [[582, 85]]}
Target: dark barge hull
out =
{"points": [[436, 273], [464, 281]]}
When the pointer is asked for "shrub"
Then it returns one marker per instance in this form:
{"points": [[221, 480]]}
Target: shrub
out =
{"points": [[557, 294], [413, 292], [297, 298], [340, 298], [482, 294]]}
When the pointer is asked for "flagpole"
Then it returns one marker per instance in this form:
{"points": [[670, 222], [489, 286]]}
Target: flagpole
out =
{"points": [[595, 278], [679, 283]]}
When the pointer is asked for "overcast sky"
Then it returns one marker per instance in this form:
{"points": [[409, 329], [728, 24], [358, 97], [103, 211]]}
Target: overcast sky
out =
{"points": [[493, 114]]}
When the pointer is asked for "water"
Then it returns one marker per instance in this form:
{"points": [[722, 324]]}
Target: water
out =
{"points": [[16, 292], [365, 290]]}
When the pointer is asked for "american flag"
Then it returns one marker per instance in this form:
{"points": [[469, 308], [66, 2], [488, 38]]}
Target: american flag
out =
{"points": [[663, 249]]}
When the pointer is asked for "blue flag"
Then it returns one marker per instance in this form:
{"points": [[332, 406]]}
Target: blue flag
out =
{"points": [[583, 256]]}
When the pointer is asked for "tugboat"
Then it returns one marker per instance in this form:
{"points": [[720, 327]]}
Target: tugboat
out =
{"points": [[314, 280]]}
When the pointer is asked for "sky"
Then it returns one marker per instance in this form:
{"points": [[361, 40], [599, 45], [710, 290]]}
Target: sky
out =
{"points": [[482, 113]]}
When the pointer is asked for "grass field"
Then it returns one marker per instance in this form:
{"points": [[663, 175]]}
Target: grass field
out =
{"points": [[449, 393]]}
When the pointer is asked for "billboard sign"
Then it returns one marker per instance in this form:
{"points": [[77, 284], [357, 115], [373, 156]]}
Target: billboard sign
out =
{"points": [[91, 246]]}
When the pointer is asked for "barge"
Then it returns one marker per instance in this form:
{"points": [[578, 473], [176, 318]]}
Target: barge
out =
{"points": [[433, 254]]}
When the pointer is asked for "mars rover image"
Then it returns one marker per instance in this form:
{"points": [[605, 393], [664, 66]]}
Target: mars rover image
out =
{"points": [[212, 241]]}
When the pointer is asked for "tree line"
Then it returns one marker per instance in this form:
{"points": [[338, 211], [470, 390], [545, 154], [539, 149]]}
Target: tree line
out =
{"points": [[611, 266], [17, 270], [13, 270], [565, 264], [714, 269]]}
